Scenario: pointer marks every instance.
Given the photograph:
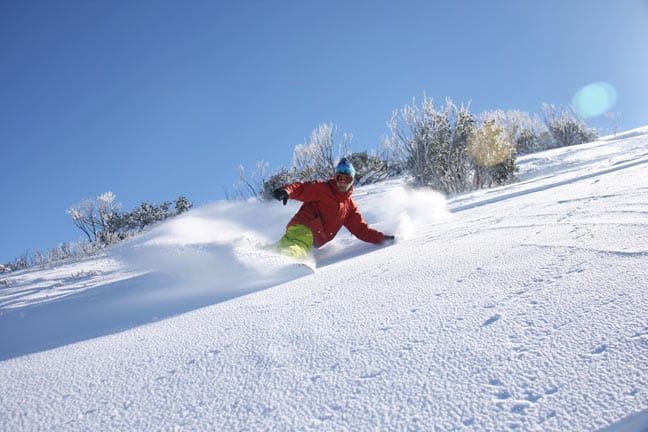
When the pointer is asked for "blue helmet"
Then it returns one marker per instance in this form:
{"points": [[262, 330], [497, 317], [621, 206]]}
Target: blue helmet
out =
{"points": [[345, 167]]}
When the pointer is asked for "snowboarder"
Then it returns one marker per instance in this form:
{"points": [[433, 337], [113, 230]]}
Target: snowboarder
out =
{"points": [[327, 207]]}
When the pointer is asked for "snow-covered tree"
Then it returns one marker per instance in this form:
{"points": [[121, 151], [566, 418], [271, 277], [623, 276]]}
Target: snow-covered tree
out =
{"points": [[459, 168], [566, 127], [124, 224], [281, 178], [92, 215], [420, 141], [447, 149], [614, 119], [433, 144], [493, 154], [182, 205], [527, 133], [316, 159], [103, 223], [60, 252], [251, 186], [370, 168]]}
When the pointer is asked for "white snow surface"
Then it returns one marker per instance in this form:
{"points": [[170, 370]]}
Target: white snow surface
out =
{"points": [[523, 307]]}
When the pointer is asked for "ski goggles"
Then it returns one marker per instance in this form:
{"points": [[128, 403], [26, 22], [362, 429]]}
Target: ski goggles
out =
{"points": [[343, 178]]}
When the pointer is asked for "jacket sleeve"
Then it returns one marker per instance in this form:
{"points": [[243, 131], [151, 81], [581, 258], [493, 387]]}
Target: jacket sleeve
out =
{"points": [[304, 192], [359, 228]]}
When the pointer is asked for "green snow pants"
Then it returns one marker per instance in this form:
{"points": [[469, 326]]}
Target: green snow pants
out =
{"points": [[297, 241]]}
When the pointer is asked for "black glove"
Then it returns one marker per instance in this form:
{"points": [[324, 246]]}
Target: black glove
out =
{"points": [[388, 238], [281, 195]]}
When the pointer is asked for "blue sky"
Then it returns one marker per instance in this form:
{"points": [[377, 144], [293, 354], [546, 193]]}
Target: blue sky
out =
{"points": [[156, 99]]}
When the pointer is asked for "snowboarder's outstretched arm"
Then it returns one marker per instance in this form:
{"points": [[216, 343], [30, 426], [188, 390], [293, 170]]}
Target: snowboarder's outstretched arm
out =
{"points": [[359, 228]]}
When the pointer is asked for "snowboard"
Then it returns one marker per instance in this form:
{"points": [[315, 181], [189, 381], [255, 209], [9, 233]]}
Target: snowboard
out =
{"points": [[267, 262]]}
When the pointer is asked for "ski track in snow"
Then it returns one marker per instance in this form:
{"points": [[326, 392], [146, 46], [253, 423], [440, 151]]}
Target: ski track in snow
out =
{"points": [[523, 308]]}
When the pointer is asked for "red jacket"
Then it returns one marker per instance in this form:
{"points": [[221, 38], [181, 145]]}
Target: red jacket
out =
{"points": [[326, 210]]}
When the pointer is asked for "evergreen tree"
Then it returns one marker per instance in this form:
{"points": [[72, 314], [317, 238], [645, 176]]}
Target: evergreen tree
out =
{"points": [[182, 205]]}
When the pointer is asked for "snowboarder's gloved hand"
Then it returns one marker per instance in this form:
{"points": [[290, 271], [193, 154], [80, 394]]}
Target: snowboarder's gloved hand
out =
{"points": [[388, 238], [281, 195]]}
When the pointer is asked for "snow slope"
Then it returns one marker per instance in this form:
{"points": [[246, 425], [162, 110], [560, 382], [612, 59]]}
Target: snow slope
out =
{"points": [[517, 308]]}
